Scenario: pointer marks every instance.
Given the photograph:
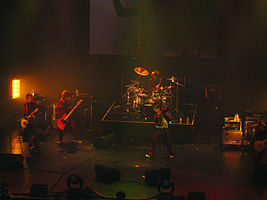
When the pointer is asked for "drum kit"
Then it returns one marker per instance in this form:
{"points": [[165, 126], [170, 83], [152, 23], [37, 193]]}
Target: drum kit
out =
{"points": [[140, 100]]}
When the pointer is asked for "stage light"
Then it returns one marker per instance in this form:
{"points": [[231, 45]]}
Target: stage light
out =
{"points": [[74, 179], [120, 195], [15, 88]]}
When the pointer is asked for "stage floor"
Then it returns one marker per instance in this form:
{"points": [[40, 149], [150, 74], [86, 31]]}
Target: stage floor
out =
{"points": [[222, 175]]}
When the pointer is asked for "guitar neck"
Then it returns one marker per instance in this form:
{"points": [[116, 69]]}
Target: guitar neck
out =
{"points": [[72, 110], [32, 113]]}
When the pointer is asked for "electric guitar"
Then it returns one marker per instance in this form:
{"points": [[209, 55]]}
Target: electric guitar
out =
{"points": [[25, 121], [260, 145], [61, 123]]}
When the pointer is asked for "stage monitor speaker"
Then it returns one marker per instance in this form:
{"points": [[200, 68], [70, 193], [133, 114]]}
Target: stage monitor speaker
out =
{"points": [[196, 196], [11, 161], [39, 190], [106, 174], [155, 177]]}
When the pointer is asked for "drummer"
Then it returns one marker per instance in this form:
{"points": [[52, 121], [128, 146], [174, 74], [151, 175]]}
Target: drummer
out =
{"points": [[155, 81]]}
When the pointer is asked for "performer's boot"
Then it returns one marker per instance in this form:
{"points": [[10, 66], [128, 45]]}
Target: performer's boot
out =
{"points": [[76, 140], [59, 141], [149, 155]]}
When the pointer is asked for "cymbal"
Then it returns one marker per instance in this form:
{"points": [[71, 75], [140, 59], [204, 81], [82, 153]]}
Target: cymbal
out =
{"points": [[141, 71], [167, 87], [142, 95], [172, 78]]}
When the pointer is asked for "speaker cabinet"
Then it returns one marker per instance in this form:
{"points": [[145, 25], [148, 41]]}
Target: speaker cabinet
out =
{"points": [[155, 177], [106, 174], [11, 161]]}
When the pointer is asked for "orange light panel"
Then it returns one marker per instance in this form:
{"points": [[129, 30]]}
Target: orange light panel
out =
{"points": [[15, 88]]}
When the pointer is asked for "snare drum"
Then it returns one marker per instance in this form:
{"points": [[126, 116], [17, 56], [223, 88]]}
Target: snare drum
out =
{"points": [[156, 95], [159, 95]]}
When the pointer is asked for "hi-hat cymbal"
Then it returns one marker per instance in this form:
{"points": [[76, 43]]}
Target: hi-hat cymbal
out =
{"points": [[172, 78], [141, 71]]}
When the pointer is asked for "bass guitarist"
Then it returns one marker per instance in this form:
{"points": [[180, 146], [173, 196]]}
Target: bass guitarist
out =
{"points": [[65, 106]]}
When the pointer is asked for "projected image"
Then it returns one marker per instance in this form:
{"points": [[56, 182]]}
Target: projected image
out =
{"points": [[109, 33], [167, 28]]}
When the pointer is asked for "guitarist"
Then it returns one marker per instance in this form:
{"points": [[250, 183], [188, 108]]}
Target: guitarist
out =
{"points": [[64, 106], [31, 133], [260, 135]]}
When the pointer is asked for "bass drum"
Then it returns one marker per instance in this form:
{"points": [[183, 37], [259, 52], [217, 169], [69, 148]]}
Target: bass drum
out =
{"points": [[156, 95]]}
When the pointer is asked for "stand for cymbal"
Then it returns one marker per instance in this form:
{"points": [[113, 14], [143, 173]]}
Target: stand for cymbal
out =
{"points": [[176, 82], [177, 96]]}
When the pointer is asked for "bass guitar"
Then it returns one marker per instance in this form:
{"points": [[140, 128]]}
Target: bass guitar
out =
{"points": [[260, 145], [61, 123], [25, 121]]}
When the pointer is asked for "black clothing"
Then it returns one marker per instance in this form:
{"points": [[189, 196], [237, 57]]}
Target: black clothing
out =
{"points": [[153, 83], [29, 108], [260, 133], [30, 133], [64, 107]]}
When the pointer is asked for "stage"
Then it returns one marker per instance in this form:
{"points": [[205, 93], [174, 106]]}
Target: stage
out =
{"points": [[119, 69], [117, 114], [196, 167]]}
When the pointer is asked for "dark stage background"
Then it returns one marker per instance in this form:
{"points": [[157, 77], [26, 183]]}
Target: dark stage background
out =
{"points": [[45, 43], [164, 25]]}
